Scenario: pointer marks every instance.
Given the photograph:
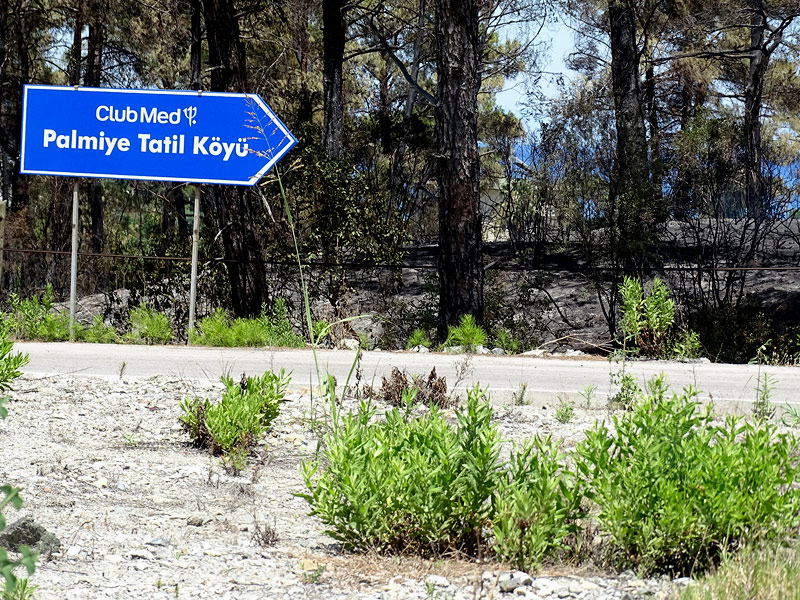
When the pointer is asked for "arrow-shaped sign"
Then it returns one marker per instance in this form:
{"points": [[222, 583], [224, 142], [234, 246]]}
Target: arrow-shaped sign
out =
{"points": [[164, 135]]}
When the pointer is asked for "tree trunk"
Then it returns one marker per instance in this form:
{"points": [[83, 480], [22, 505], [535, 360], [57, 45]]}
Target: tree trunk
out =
{"points": [[333, 38], [756, 201], [305, 103], [93, 78], [460, 237], [196, 48], [630, 191], [231, 207]]}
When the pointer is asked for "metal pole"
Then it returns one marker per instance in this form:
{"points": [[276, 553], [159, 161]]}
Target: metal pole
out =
{"points": [[73, 276], [195, 244]]}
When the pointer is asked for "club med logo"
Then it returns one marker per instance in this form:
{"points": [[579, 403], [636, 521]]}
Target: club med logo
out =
{"points": [[106, 112]]}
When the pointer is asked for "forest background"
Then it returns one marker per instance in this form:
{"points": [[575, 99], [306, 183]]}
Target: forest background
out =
{"points": [[415, 197]]}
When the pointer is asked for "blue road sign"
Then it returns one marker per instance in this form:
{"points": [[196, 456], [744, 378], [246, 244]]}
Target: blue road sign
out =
{"points": [[164, 135]]}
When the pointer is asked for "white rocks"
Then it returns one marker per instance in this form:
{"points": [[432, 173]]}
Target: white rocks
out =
{"points": [[348, 344], [437, 581], [535, 352], [508, 582]]}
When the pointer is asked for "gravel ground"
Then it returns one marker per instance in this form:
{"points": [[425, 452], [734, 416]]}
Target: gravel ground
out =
{"points": [[105, 465]]}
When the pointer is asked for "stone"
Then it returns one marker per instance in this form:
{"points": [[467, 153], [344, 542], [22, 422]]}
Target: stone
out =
{"points": [[535, 352], [26, 532], [348, 344], [420, 349], [437, 581], [498, 351], [509, 582]]}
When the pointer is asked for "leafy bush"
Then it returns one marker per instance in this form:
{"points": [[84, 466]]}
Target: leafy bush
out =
{"points": [[264, 330], [35, 318], [409, 483], [538, 505], [505, 340], [148, 326], [648, 322], [10, 365], [565, 411], [418, 337], [243, 414], [99, 332], [468, 334], [674, 490]]}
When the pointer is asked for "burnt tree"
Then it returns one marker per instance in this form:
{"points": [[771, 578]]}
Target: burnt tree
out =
{"points": [[456, 115], [333, 39], [231, 207]]}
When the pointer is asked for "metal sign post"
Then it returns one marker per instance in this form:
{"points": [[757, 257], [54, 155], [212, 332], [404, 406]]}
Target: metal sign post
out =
{"points": [[195, 244], [73, 271]]}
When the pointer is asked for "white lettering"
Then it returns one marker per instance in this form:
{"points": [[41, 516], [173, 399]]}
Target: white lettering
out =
{"points": [[49, 136], [105, 110], [148, 117], [144, 137], [200, 145]]}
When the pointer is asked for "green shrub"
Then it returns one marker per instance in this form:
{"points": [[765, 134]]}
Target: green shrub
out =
{"points": [[673, 490], [565, 411], [468, 334], [264, 330], [35, 318], [320, 330], [418, 337], [22, 591], [505, 340], [243, 414], [10, 365], [99, 333], [538, 505], [148, 326], [409, 483], [648, 323]]}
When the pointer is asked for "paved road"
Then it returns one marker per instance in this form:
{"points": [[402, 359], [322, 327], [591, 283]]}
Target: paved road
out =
{"points": [[545, 378]]}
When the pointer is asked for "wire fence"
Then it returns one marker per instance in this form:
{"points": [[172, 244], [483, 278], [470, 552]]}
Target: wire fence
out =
{"points": [[495, 264]]}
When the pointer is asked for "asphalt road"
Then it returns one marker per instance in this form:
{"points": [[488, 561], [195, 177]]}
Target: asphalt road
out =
{"points": [[545, 379]]}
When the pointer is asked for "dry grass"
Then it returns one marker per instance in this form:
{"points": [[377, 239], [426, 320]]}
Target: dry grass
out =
{"points": [[752, 574]]}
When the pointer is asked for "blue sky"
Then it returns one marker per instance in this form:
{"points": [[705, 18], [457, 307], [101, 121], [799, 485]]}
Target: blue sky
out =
{"points": [[561, 40]]}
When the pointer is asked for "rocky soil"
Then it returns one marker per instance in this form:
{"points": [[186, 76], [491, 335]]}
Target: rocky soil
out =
{"points": [[105, 465]]}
